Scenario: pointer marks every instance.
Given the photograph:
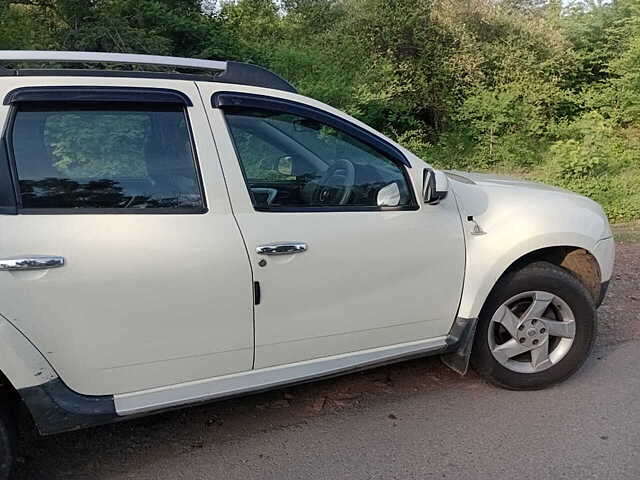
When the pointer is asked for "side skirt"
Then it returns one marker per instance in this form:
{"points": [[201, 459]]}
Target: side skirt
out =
{"points": [[269, 378], [56, 408]]}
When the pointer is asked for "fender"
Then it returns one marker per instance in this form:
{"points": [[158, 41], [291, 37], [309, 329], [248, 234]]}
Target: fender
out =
{"points": [[482, 275], [504, 220], [20, 361]]}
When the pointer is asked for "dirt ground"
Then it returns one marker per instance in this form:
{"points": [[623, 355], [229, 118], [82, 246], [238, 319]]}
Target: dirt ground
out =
{"points": [[619, 315], [107, 452]]}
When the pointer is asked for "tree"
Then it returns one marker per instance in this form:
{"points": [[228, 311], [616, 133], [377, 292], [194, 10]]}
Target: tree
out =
{"points": [[144, 26]]}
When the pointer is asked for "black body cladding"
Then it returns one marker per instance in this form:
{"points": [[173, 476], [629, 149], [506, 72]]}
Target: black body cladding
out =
{"points": [[56, 408]]}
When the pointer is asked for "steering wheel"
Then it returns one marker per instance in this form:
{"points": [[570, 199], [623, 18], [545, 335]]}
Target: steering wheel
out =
{"points": [[336, 185]]}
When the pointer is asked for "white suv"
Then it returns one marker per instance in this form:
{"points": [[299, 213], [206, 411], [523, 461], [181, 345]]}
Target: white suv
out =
{"points": [[176, 238]]}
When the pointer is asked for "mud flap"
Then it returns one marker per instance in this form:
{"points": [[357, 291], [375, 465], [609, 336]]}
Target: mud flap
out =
{"points": [[461, 342]]}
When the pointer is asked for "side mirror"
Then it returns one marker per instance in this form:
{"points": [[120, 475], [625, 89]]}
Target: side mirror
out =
{"points": [[435, 186], [389, 195]]}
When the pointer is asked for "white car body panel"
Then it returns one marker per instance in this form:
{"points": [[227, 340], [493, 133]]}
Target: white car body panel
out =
{"points": [[141, 297], [518, 218], [605, 252], [368, 279]]}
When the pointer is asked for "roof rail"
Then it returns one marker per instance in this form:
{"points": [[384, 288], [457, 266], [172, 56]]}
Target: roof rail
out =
{"points": [[228, 72]]}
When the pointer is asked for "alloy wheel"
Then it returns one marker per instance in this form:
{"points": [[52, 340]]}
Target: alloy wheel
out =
{"points": [[531, 332]]}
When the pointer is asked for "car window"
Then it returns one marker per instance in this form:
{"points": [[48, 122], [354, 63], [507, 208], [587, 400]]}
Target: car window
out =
{"points": [[105, 158], [262, 157], [294, 162]]}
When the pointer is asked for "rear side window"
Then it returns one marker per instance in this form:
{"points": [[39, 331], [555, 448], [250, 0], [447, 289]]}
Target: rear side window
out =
{"points": [[105, 157]]}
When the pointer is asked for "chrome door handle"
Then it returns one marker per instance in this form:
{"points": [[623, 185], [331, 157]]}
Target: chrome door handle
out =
{"points": [[288, 248], [32, 262]]}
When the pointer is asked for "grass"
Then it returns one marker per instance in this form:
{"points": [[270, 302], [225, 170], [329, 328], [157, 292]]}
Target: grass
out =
{"points": [[627, 232]]}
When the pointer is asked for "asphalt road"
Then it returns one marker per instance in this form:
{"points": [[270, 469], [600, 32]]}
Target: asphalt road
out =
{"points": [[415, 420]]}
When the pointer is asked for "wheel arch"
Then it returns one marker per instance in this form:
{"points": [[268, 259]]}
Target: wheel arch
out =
{"points": [[576, 257], [28, 376], [579, 261], [21, 363]]}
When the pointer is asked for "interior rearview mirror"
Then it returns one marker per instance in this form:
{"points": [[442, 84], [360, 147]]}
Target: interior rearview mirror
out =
{"points": [[435, 186], [285, 165], [389, 195]]}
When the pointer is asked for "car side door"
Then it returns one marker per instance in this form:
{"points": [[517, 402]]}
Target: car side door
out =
{"points": [[348, 275], [153, 286]]}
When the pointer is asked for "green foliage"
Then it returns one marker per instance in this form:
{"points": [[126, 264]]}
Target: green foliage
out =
{"points": [[596, 158], [175, 27], [546, 88], [98, 145]]}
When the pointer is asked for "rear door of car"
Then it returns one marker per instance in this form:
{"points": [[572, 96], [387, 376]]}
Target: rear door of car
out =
{"points": [[140, 276]]}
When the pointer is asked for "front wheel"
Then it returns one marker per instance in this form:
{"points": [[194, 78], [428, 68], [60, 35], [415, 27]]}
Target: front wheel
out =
{"points": [[536, 328]]}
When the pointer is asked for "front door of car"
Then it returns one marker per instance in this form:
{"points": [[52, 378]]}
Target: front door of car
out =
{"points": [[364, 276], [156, 287]]}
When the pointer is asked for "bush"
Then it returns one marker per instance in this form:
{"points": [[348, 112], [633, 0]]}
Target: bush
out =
{"points": [[597, 159]]}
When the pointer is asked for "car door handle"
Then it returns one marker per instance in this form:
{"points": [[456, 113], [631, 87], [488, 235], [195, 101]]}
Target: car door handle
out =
{"points": [[31, 262], [287, 248]]}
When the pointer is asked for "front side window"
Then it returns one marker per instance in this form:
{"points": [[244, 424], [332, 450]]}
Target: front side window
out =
{"points": [[292, 162], [98, 157]]}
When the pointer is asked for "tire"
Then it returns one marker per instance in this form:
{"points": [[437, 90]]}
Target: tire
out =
{"points": [[514, 318], [8, 435]]}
